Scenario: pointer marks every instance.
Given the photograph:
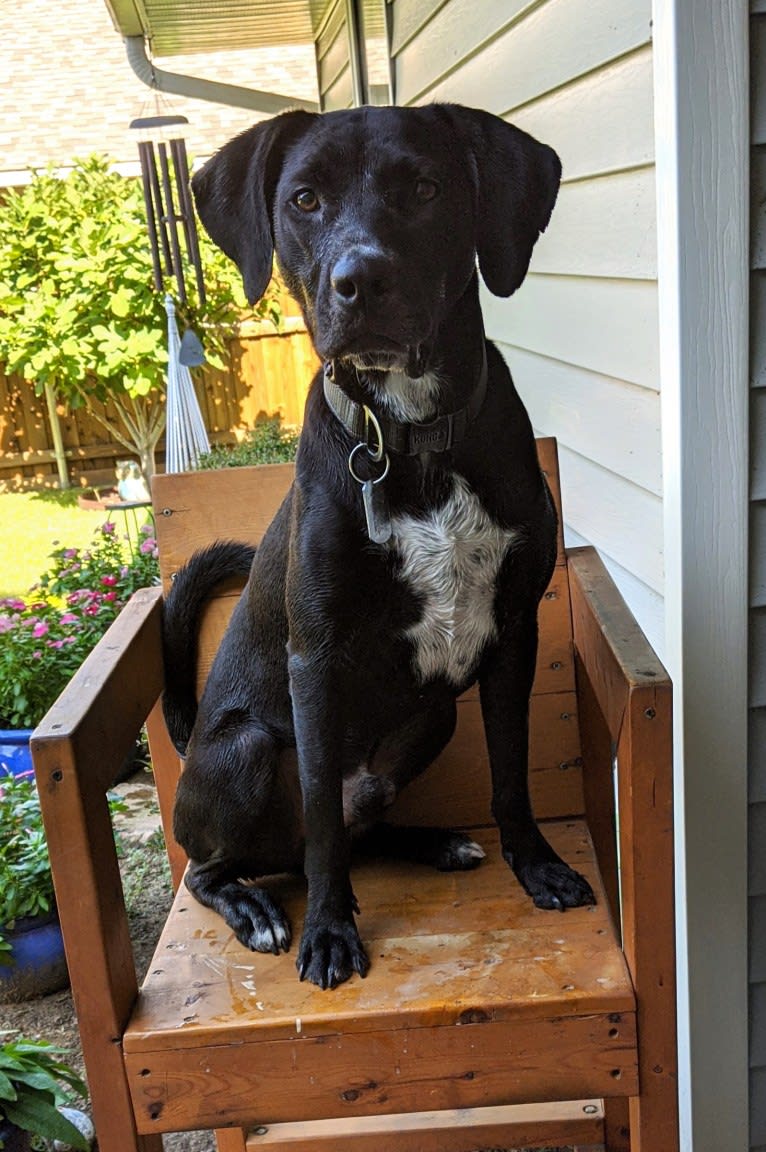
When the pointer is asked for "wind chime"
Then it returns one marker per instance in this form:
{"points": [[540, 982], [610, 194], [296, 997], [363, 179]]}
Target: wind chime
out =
{"points": [[170, 214], [166, 206]]}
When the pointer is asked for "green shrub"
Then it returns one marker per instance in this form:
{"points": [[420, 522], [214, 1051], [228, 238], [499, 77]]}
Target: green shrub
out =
{"points": [[266, 443], [78, 308]]}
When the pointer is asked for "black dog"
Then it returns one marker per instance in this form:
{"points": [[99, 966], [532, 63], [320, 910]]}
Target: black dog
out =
{"points": [[409, 557]]}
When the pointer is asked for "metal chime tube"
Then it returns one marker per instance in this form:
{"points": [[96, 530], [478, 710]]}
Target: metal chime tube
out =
{"points": [[181, 166], [171, 218], [159, 208], [145, 157]]}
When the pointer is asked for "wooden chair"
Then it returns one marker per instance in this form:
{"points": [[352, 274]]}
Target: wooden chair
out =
{"points": [[483, 1021]]}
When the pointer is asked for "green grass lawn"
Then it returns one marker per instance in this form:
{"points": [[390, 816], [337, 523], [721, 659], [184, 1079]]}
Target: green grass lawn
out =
{"points": [[31, 524]]}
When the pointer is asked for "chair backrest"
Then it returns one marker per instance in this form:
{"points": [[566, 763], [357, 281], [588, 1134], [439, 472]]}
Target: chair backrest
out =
{"points": [[194, 509]]}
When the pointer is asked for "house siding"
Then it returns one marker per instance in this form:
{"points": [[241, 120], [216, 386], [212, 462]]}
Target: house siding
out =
{"points": [[336, 89], [581, 335], [757, 689]]}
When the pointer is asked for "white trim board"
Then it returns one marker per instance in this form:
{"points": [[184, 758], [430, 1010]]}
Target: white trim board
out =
{"points": [[701, 101]]}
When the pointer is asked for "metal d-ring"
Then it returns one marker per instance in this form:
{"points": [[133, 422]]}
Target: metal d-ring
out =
{"points": [[359, 479], [371, 419]]}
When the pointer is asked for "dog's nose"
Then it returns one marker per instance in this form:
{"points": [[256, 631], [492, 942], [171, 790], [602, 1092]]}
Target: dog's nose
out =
{"points": [[361, 275]]}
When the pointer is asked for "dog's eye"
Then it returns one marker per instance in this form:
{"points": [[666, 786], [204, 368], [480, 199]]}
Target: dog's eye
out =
{"points": [[306, 199], [426, 190]]}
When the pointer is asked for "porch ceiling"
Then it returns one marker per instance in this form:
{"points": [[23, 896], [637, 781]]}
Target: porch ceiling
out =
{"points": [[178, 27]]}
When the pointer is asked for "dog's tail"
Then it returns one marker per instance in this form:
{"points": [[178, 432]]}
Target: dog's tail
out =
{"points": [[192, 587]]}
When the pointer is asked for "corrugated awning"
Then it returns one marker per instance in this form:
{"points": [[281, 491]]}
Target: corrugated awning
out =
{"points": [[178, 27]]}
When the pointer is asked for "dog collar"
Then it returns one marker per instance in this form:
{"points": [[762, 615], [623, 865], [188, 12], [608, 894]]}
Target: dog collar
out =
{"points": [[407, 439]]}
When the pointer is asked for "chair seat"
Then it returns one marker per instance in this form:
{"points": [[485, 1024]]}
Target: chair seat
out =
{"points": [[474, 997]]}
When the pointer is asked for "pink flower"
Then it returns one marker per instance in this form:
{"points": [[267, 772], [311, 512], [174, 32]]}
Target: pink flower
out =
{"points": [[13, 603], [109, 597], [148, 545], [110, 581], [147, 530], [107, 529], [69, 618], [6, 623], [69, 640], [37, 655], [70, 553], [55, 643], [91, 610], [39, 629]]}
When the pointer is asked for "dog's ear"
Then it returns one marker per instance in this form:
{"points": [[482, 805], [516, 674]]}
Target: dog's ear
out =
{"points": [[517, 181], [234, 194]]}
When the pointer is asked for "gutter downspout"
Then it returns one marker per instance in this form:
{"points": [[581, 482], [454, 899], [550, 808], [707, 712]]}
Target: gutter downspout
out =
{"points": [[177, 84]]}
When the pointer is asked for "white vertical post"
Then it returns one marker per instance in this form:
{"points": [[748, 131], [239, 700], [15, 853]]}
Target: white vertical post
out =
{"points": [[701, 97]]}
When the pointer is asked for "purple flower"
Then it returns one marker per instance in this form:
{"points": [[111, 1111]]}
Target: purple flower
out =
{"points": [[107, 529], [147, 529], [40, 629], [70, 553], [69, 618], [148, 545]]}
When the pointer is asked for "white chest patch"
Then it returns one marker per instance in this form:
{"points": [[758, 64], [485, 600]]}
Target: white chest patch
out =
{"points": [[451, 558]]}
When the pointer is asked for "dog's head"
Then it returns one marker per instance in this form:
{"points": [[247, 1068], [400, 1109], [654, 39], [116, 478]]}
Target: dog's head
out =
{"points": [[377, 216]]}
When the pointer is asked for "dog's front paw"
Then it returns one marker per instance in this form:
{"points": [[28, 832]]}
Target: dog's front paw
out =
{"points": [[258, 921], [330, 951], [553, 884]]}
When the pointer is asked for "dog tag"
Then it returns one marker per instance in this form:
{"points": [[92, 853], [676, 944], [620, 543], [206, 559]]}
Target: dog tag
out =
{"points": [[376, 511]]}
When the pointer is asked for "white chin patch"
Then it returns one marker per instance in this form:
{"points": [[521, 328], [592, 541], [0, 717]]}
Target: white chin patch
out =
{"points": [[405, 399]]}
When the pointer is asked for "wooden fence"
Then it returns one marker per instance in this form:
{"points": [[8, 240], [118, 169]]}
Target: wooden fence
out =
{"points": [[268, 372]]}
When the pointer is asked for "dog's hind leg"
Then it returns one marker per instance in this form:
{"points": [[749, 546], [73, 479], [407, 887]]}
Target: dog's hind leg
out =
{"points": [[237, 817], [256, 919], [441, 848], [402, 756]]}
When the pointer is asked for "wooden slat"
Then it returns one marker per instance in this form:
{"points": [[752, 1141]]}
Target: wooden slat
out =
{"points": [[456, 789], [381, 1072], [192, 509], [77, 750], [613, 648], [449, 1131], [230, 1140], [644, 757], [166, 768], [104, 705], [634, 694]]}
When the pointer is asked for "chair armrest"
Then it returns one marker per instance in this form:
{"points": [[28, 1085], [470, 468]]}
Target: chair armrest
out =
{"points": [[633, 694], [617, 656], [77, 750]]}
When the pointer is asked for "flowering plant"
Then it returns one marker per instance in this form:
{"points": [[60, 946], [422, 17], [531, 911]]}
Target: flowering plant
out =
{"points": [[44, 639], [26, 883]]}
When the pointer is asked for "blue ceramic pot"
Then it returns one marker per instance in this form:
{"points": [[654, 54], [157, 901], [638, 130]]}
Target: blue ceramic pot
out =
{"points": [[15, 753], [38, 961], [13, 1139]]}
